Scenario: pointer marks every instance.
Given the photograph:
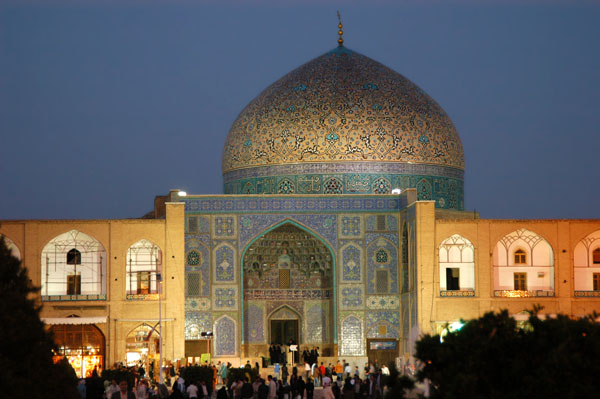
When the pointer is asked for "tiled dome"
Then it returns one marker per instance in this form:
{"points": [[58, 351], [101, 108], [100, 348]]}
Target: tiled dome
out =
{"points": [[344, 123]]}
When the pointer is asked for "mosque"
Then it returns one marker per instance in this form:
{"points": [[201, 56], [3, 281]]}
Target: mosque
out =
{"points": [[342, 226]]}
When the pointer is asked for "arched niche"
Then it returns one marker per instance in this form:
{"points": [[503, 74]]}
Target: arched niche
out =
{"points": [[144, 263], [586, 263], [65, 276], [12, 247], [523, 264], [457, 264]]}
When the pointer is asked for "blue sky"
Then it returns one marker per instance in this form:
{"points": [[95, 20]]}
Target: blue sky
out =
{"points": [[105, 105]]}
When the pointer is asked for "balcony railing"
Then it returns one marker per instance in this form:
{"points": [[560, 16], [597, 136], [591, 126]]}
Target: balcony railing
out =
{"points": [[457, 293], [523, 294], [88, 297], [587, 293]]}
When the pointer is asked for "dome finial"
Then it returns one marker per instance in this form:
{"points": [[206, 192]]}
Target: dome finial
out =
{"points": [[340, 31]]}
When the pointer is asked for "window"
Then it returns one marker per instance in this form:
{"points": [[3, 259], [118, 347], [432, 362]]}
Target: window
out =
{"points": [[596, 281], [452, 279], [381, 281], [284, 278], [144, 260], [74, 284], [192, 224], [381, 256], [193, 258], [596, 256], [193, 284], [520, 281], [73, 257], [380, 222], [520, 257]]}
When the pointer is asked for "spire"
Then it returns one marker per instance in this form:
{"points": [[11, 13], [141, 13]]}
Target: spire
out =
{"points": [[340, 31]]}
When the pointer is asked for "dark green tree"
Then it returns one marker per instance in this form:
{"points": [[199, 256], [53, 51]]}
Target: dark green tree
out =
{"points": [[397, 385], [27, 369], [492, 357]]}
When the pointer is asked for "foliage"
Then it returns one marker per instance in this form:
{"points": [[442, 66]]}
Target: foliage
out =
{"points": [[397, 385], [198, 373], [492, 357], [26, 348]]}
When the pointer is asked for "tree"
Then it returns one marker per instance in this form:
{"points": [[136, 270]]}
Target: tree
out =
{"points": [[492, 357], [27, 369]]}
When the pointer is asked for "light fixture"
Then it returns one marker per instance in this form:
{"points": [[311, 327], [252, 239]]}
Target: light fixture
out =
{"points": [[397, 191], [181, 193]]}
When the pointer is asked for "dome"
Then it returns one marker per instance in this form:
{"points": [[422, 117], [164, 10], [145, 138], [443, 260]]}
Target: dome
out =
{"points": [[344, 124]]}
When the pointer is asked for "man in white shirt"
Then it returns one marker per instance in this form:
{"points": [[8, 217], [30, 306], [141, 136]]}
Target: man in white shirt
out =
{"points": [[385, 370], [272, 388], [192, 391]]}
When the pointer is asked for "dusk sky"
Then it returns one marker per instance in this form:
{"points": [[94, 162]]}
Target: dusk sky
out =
{"points": [[104, 105]]}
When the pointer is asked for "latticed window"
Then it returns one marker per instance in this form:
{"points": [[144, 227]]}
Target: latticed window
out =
{"points": [[333, 186], [193, 258], [381, 281], [193, 283], [284, 278], [144, 260], [193, 224], [520, 257], [381, 256], [380, 222], [596, 256], [520, 281]]}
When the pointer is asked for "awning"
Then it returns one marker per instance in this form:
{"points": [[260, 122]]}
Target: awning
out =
{"points": [[74, 320]]}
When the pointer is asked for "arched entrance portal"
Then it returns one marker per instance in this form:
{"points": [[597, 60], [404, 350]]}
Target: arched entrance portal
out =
{"points": [[82, 344], [143, 348], [288, 290]]}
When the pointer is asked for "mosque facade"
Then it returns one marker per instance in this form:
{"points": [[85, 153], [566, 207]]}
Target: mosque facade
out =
{"points": [[342, 226]]}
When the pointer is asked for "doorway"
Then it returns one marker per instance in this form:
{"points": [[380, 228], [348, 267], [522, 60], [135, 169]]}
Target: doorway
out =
{"points": [[284, 330], [382, 351]]}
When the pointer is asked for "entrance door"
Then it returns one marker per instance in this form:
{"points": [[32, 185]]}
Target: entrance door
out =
{"points": [[383, 351], [283, 330]]}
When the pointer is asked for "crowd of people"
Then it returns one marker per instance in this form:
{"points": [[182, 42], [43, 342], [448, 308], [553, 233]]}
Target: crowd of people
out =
{"points": [[339, 381]]}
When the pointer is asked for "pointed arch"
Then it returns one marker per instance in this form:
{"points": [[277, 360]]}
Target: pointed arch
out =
{"points": [[67, 278], [382, 267], [225, 332], [352, 339], [144, 264], [251, 269], [12, 247], [456, 263], [586, 265], [523, 263]]}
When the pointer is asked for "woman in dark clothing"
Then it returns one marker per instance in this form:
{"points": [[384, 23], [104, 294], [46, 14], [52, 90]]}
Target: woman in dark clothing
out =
{"points": [[310, 388]]}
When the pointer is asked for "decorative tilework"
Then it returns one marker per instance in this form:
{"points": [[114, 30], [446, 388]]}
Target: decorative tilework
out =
{"points": [[350, 226], [351, 342], [224, 259], [224, 226], [351, 263], [316, 323], [323, 225], [291, 205], [225, 337], [192, 244], [352, 297], [195, 323], [391, 223], [196, 304], [224, 297], [392, 318], [391, 264], [383, 302], [254, 330], [398, 123], [284, 313], [296, 306]]}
